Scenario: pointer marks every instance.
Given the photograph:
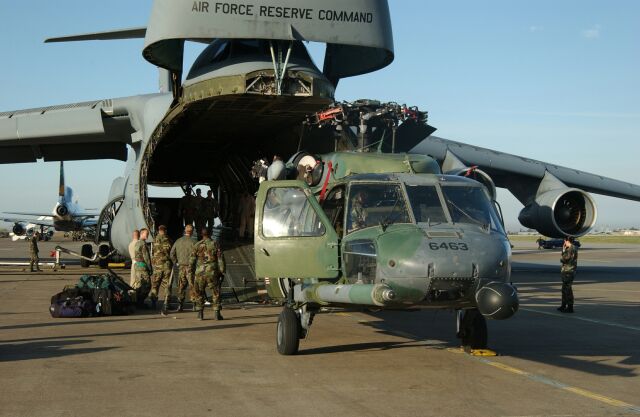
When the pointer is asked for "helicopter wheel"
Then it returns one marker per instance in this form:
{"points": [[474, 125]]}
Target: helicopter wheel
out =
{"points": [[473, 330], [288, 332]]}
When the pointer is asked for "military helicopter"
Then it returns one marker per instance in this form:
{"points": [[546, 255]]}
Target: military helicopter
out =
{"points": [[370, 210]]}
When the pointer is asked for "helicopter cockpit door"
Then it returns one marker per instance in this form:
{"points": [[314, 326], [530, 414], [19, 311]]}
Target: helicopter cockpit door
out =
{"points": [[293, 236]]}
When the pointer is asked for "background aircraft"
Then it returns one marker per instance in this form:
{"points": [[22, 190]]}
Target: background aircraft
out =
{"points": [[66, 216]]}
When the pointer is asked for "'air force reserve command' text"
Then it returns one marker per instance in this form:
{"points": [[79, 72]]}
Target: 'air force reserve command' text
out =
{"points": [[280, 12]]}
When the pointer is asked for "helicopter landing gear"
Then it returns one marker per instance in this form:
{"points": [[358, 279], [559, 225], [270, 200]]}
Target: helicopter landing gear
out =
{"points": [[288, 332], [472, 329], [294, 323]]}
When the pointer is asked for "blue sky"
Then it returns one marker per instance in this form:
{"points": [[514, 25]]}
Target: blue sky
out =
{"points": [[554, 81]]}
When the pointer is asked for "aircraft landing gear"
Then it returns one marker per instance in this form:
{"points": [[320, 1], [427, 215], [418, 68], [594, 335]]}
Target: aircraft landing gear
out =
{"points": [[472, 329], [294, 323], [288, 332], [86, 252]]}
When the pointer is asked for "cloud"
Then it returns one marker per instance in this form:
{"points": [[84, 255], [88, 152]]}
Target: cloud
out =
{"points": [[592, 33], [535, 28]]}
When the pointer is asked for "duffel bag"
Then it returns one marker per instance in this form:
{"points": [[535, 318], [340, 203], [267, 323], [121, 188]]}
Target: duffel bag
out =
{"points": [[70, 307]]}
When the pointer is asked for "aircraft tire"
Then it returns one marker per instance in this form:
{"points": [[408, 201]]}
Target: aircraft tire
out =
{"points": [[103, 250], [288, 332], [474, 327], [86, 251]]}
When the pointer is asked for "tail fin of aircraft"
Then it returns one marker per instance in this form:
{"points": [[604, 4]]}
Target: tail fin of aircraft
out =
{"points": [[61, 189]]}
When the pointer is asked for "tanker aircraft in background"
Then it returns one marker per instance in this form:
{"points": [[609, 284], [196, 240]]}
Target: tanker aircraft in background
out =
{"points": [[369, 208], [66, 216]]}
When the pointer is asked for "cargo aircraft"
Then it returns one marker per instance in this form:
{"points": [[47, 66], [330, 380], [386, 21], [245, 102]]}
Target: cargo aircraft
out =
{"points": [[66, 216], [369, 208]]}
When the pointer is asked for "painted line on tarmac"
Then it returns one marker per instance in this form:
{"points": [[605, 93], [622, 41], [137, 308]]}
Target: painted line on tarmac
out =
{"points": [[588, 320], [533, 377], [557, 384]]}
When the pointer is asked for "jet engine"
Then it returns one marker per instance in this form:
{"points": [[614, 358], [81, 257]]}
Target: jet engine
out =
{"points": [[561, 212], [62, 210], [18, 229]]}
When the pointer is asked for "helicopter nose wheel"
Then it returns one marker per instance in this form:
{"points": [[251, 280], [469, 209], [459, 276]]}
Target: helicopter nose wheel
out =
{"points": [[472, 329], [289, 331]]}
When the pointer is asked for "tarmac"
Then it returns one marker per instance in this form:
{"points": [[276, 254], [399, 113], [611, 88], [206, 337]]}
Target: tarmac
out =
{"points": [[389, 363]]}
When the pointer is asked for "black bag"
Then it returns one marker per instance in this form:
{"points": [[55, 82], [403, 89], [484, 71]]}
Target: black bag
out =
{"points": [[71, 302], [109, 293]]}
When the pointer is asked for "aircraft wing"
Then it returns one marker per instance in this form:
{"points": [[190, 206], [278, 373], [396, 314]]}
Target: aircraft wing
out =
{"points": [[79, 131], [522, 175], [29, 214], [44, 222]]}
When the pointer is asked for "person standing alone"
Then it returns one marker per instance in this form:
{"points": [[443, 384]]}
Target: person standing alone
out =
{"points": [[569, 261]]}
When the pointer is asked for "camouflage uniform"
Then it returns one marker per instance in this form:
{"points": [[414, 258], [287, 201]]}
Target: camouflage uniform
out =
{"points": [[186, 209], [161, 268], [210, 209], [33, 252], [207, 260], [180, 255], [569, 261], [198, 207], [143, 270]]}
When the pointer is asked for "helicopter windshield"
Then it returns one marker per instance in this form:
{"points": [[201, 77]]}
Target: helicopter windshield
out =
{"points": [[376, 204], [426, 204], [471, 205]]}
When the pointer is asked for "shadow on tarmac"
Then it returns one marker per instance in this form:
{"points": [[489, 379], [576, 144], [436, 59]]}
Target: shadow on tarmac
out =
{"points": [[45, 350]]}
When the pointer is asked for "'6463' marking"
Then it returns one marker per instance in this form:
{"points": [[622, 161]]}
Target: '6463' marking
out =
{"points": [[448, 246]]}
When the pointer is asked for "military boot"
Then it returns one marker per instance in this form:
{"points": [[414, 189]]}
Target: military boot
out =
{"points": [[164, 309], [217, 315], [154, 303], [562, 308], [200, 314], [569, 309], [179, 310]]}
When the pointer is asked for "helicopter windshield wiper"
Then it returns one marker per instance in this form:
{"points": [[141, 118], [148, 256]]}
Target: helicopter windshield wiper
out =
{"points": [[387, 221], [483, 225]]}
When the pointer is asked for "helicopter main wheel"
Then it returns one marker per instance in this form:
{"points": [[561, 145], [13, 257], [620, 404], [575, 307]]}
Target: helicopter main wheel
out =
{"points": [[86, 252], [473, 330], [288, 332]]}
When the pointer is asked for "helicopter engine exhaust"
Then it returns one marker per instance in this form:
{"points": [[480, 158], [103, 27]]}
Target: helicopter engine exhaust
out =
{"points": [[560, 213], [18, 229], [452, 165]]}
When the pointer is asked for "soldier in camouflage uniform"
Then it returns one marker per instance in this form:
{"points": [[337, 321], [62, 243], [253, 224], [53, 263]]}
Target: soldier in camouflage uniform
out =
{"points": [[200, 217], [210, 208], [207, 263], [33, 252], [185, 208], [569, 261], [142, 265], [180, 255], [162, 267]]}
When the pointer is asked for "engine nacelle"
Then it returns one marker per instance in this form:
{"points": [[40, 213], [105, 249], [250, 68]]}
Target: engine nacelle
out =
{"points": [[452, 165], [18, 229], [62, 210], [560, 213], [478, 175]]}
